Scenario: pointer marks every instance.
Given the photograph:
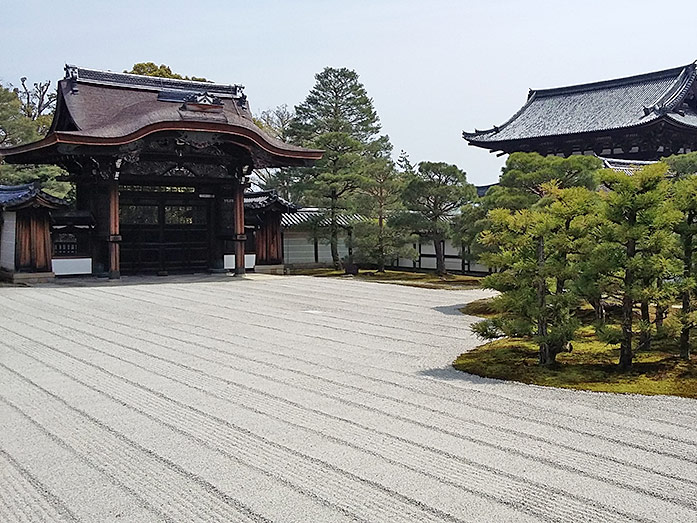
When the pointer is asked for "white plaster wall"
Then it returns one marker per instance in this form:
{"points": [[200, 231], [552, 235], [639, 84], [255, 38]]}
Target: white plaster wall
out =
{"points": [[427, 247], [229, 261], [8, 233], [405, 262], [478, 267], [450, 249], [324, 251], [453, 264], [71, 266], [298, 247]]}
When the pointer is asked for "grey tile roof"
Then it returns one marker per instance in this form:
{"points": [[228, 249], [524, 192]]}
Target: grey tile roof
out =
{"points": [[311, 216], [482, 189], [95, 76], [18, 196], [262, 200], [625, 166], [598, 106], [103, 108]]}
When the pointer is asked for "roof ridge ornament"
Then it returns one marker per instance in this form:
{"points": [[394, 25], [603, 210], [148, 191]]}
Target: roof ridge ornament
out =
{"points": [[72, 74], [204, 98], [203, 102]]}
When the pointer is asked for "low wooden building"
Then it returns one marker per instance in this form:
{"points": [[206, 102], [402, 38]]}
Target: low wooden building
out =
{"points": [[642, 117], [162, 166], [25, 232]]}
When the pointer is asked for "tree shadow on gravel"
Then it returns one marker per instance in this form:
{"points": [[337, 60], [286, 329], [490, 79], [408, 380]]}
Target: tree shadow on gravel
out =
{"points": [[450, 310], [126, 281], [451, 374]]}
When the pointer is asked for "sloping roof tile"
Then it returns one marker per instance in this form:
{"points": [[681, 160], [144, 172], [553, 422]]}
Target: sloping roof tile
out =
{"points": [[310, 216], [105, 108], [598, 106], [19, 196], [258, 200], [625, 166]]}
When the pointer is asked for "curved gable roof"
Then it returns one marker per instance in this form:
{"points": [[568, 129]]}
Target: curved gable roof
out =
{"points": [[106, 108], [599, 106], [13, 197]]}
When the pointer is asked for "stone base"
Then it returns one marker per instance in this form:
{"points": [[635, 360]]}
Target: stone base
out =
{"points": [[26, 277], [270, 269]]}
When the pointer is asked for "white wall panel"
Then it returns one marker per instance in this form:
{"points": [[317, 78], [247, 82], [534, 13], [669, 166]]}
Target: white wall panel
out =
{"points": [[71, 266], [229, 261], [7, 240], [298, 247]]}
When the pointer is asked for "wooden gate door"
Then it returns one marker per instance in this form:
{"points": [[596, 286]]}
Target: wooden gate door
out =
{"points": [[163, 233]]}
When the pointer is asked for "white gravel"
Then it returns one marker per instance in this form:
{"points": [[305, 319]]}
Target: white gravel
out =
{"points": [[306, 399]]}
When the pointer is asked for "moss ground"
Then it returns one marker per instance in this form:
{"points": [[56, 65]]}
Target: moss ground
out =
{"points": [[413, 279], [590, 366]]}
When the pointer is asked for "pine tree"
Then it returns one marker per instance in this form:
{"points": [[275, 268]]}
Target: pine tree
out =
{"points": [[380, 240], [431, 195], [338, 117], [538, 253], [639, 229], [684, 170]]}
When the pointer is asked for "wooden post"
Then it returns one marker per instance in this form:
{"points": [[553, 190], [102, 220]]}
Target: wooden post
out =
{"points": [[114, 234], [239, 228]]}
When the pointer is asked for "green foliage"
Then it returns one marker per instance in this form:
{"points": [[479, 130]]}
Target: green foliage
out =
{"points": [[378, 197], [287, 181], [683, 168], [525, 174], [338, 117], [22, 117], [488, 329], [380, 245], [16, 127], [431, 194], [162, 71], [638, 237], [338, 103], [538, 254]]}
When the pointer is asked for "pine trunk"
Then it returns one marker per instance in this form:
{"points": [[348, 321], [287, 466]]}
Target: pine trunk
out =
{"points": [[440, 257], [661, 310], [645, 335], [686, 294], [598, 308], [334, 234], [547, 355], [628, 307], [381, 242]]}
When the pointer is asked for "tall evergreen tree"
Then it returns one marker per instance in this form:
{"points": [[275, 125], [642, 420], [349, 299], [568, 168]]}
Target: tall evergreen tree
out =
{"points": [[684, 170], [338, 117], [639, 228], [538, 252], [431, 195], [380, 195]]}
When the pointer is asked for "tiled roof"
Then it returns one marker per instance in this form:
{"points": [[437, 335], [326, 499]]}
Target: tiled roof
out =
{"points": [[482, 189], [625, 166], [105, 108], [311, 216], [28, 195], [599, 106], [259, 200], [95, 76]]}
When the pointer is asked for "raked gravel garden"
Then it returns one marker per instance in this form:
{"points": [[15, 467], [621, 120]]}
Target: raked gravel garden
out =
{"points": [[306, 399]]}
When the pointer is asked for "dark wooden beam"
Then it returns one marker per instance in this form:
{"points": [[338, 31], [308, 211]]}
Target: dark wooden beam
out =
{"points": [[114, 231], [238, 199]]}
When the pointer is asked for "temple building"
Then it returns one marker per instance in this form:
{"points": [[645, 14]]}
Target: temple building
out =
{"points": [[25, 230], [160, 168], [642, 118]]}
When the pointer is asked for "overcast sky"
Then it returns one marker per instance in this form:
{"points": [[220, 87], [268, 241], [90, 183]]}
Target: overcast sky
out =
{"points": [[433, 67]]}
